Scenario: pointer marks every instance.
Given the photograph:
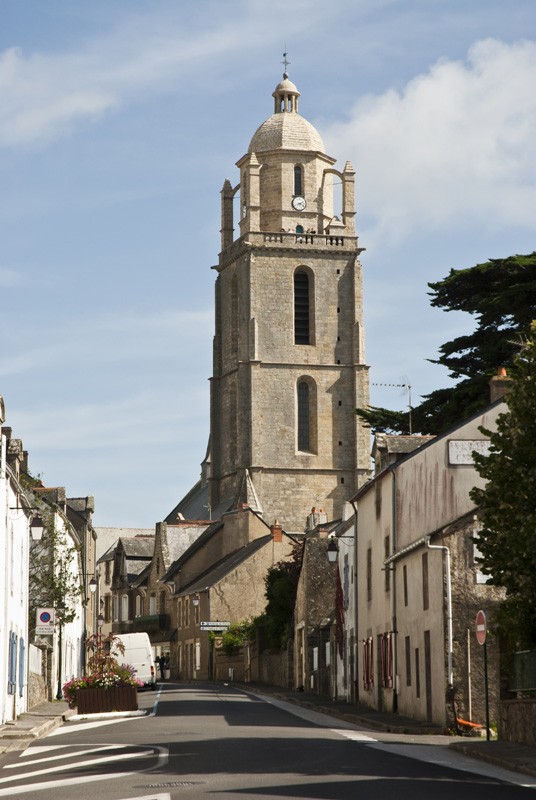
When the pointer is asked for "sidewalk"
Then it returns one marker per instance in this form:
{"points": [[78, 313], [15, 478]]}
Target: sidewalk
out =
{"points": [[509, 755], [33, 724]]}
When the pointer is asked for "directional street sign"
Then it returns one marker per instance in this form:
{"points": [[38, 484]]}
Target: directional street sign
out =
{"points": [[214, 626]]}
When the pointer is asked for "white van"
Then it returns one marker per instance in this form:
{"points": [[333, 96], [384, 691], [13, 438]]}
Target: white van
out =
{"points": [[138, 654]]}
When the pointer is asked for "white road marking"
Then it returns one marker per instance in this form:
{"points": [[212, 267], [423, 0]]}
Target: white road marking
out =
{"points": [[76, 764], [35, 750], [36, 787], [66, 754], [355, 736]]}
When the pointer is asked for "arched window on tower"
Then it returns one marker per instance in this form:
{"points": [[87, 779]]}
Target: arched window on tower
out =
{"points": [[306, 415], [298, 180], [302, 332]]}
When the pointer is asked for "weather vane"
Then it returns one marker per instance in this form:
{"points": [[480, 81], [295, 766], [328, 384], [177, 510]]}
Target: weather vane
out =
{"points": [[285, 62]]}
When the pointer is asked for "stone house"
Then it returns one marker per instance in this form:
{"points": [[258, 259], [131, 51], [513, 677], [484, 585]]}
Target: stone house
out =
{"points": [[314, 608], [106, 543], [220, 578], [418, 584], [153, 599], [131, 555]]}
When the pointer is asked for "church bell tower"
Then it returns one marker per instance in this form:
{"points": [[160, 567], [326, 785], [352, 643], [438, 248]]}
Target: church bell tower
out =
{"points": [[289, 360]]}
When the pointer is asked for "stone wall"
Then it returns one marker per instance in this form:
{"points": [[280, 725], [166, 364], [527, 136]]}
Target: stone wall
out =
{"points": [[517, 722]]}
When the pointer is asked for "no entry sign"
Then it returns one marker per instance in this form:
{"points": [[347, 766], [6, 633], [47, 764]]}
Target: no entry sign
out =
{"points": [[481, 627]]}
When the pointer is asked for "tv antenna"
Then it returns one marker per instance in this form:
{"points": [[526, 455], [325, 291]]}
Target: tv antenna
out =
{"points": [[407, 387]]}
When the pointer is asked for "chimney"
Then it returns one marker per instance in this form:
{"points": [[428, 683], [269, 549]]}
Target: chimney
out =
{"points": [[277, 531], [499, 385], [316, 517]]}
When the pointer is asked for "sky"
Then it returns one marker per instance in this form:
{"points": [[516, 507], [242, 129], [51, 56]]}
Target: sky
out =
{"points": [[119, 122]]}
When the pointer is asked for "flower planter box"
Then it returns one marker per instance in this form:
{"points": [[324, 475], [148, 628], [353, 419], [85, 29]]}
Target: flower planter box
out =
{"points": [[98, 699]]}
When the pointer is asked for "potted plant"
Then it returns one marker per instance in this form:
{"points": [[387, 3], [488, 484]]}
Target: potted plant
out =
{"points": [[107, 684]]}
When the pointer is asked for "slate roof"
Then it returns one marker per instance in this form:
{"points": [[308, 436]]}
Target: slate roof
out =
{"points": [[138, 546], [194, 547], [107, 537], [195, 506], [182, 535]]}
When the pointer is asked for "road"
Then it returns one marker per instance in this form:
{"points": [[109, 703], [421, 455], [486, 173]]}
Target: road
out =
{"points": [[209, 740]]}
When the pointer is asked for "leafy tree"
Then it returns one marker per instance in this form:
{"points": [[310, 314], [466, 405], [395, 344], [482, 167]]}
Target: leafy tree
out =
{"points": [[501, 295], [281, 583], [507, 540], [236, 636], [52, 581]]}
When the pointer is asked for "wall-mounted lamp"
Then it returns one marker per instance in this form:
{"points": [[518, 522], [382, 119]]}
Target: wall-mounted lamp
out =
{"points": [[37, 526], [100, 621], [195, 599], [333, 546], [93, 586], [333, 550]]}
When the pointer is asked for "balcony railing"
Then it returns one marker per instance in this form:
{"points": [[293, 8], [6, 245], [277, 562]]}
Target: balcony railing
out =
{"points": [[151, 623]]}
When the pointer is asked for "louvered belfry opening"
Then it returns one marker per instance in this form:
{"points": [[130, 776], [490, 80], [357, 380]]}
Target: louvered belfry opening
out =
{"points": [[301, 307]]}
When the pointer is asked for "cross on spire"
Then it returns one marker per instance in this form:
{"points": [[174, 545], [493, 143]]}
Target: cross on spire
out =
{"points": [[285, 62]]}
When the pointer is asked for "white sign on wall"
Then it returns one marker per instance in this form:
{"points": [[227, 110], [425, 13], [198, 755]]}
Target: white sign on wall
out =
{"points": [[461, 450]]}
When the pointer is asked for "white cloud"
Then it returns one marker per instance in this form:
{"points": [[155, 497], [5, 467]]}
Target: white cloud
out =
{"points": [[458, 145], [44, 96]]}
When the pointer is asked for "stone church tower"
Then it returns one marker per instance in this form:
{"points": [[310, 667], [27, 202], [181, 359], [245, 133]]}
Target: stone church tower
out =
{"points": [[289, 359]]}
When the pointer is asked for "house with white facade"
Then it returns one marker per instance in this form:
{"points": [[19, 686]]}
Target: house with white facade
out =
{"points": [[14, 548]]}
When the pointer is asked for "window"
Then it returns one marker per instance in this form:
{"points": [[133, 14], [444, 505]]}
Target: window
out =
{"points": [[107, 608], [386, 655], [425, 594], [138, 605], [368, 663], [107, 572], [408, 660], [387, 567], [301, 307], [405, 579], [298, 180], [162, 602], [152, 604], [124, 607], [417, 674], [369, 574], [303, 417]]}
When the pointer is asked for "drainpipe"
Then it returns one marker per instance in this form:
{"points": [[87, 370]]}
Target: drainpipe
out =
{"points": [[357, 651], [449, 606], [393, 590]]}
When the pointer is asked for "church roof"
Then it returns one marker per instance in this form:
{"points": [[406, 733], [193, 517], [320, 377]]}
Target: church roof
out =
{"points": [[286, 132], [286, 129]]}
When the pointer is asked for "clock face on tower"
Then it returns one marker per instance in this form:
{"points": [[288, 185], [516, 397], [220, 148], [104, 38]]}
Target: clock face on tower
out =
{"points": [[298, 203]]}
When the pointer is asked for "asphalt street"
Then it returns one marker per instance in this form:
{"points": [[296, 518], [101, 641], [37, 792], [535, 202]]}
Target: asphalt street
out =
{"points": [[207, 740]]}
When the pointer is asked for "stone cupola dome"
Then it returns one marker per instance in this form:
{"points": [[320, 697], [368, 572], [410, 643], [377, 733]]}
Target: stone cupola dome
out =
{"points": [[286, 129]]}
